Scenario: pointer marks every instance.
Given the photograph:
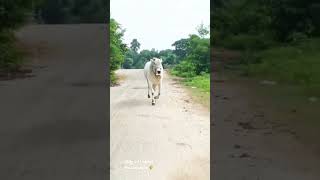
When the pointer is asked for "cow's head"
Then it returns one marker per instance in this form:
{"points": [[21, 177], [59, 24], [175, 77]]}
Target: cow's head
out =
{"points": [[157, 66]]}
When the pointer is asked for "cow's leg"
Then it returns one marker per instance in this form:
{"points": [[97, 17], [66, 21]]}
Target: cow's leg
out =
{"points": [[153, 102], [159, 90], [148, 88]]}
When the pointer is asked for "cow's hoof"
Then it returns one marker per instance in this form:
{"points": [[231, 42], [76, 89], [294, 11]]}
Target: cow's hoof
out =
{"points": [[148, 96], [153, 103]]}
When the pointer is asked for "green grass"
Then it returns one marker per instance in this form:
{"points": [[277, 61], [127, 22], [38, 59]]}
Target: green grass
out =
{"points": [[184, 69], [201, 82], [292, 64], [197, 86]]}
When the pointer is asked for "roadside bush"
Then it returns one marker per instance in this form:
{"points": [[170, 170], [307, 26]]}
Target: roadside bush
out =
{"points": [[113, 78], [297, 38], [216, 38], [185, 69], [117, 47], [10, 57], [199, 54], [13, 14], [246, 41], [297, 64]]}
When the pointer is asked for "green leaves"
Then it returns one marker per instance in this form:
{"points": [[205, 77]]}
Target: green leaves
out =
{"points": [[279, 18], [194, 54], [117, 47], [181, 48], [202, 30], [10, 57], [185, 68], [135, 45], [13, 14], [135, 60], [190, 57], [72, 11]]}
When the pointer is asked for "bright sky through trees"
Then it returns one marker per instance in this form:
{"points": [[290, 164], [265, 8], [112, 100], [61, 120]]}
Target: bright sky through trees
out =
{"points": [[158, 23]]}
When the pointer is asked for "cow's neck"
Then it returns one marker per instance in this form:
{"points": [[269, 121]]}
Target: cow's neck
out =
{"points": [[151, 70]]}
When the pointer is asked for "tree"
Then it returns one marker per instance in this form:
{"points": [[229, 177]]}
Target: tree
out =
{"points": [[202, 30], [54, 12], [168, 57], [137, 60], [135, 45], [194, 55], [277, 20], [143, 57], [294, 16], [128, 63], [13, 14], [199, 53], [181, 48], [118, 49], [90, 11], [130, 58], [72, 11]]}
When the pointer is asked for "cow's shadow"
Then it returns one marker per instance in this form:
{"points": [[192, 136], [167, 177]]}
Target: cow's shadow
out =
{"points": [[141, 87], [129, 103]]}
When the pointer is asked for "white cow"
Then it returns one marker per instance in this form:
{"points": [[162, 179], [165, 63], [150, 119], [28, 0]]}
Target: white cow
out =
{"points": [[153, 71]]}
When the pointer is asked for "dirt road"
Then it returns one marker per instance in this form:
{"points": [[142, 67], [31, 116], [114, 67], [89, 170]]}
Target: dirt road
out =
{"points": [[168, 141], [256, 137], [53, 125]]}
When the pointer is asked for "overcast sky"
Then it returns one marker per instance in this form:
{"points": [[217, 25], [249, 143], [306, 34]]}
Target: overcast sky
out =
{"points": [[158, 23]]}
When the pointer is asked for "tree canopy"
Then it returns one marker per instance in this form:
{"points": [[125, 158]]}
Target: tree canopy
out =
{"points": [[190, 56], [117, 47], [135, 45], [13, 14], [72, 11], [280, 20]]}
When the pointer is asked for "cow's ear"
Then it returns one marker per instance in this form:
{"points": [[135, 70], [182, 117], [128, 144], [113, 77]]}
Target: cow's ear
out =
{"points": [[161, 60]]}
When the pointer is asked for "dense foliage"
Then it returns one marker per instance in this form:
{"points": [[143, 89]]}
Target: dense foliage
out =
{"points": [[190, 56], [72, 11], [13, 14], [117, 48], [259, 22], [278, 39]]}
